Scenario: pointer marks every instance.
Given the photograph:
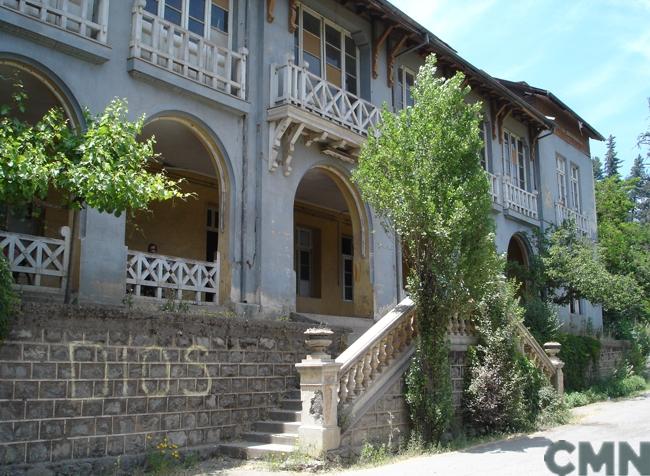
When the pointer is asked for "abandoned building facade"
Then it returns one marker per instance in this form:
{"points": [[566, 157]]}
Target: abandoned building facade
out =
{"points": [[262, 108]]}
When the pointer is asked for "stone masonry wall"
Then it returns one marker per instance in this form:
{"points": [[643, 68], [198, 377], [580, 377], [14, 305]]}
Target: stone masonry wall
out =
{"points": [[612, 354], [78, 383]]}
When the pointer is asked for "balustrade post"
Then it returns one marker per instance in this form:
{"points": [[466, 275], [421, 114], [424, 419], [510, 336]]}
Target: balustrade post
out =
{"points": [[319, 379], [552, 349]]}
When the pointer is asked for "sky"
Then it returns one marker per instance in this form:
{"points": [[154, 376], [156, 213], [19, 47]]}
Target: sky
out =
{"points": [[592, 54]]}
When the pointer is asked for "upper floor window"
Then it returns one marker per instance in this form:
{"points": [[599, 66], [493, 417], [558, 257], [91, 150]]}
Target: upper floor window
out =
{"points": [[575, 187], [328, 50], [514, 157], [347, 255], [484, 150], [405, 83], [560, 175], [208, 18]]}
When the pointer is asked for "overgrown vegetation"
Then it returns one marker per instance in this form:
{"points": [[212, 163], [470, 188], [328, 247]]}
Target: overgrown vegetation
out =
{"points": [[578, 353], [421, 174], [615, 387], [7, 298]]}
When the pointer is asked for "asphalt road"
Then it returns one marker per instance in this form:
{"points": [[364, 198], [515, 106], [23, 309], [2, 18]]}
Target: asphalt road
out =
{"points": [[627, 420]]}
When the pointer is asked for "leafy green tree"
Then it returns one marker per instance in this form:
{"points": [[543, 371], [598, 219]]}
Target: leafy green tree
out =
{"points": [[597, 168], [640, 194], [422, 175], [612, 162]]}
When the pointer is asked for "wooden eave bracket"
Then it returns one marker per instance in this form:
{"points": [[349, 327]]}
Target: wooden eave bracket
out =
{"points": [[376, 46], [293, 16], [270, 10], [392, 54]]}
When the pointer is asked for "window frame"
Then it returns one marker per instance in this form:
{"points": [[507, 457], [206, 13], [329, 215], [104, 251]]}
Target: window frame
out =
{"points": [[560, 179], [402, 71], [522, 154], [574, 186], [485, 157], [324, 23], [207, 18], [344, 258], [310, 249]]}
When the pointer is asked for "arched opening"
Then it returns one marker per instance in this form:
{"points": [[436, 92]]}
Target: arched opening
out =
{"points": [[35, 237], [330, 247], [178, 249], [518, 262]]}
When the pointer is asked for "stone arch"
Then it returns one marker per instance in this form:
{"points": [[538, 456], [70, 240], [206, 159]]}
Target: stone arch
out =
{"points": [[519, 252], [218, 166], [362, 303]]}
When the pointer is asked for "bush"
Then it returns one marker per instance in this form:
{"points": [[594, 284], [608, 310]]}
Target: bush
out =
{"points": [[541, 319], [578, 353], [8, 298], [615, 387]]}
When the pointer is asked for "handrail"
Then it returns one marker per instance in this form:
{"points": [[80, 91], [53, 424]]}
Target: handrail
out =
{"points": [[518, 199], [293, 84], [563, 213], [531, 348]]}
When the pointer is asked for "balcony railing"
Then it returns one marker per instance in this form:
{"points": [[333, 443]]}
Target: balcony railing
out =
{"points": [[178, 50], [519, 200], [161, 277], [37, 262], [88, 18], [564, 213], [292, 84]]}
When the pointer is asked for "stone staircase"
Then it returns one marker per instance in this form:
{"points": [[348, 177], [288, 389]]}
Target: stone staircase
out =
{"points": [[277, 435]]}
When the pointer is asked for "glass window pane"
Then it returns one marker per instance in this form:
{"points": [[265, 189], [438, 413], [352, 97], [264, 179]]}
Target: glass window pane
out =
{"points": [[346, 245], [152, 6], [311, 24], [333, 56], [219, 18], [177, 4], [314, 63], [172, 15], [196, 27], [350, 47], [197, 9], [350, 65], [333, 36], [351, 84]]}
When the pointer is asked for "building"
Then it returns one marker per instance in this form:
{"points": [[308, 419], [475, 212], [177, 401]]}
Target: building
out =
{"points": [[262, 107]]}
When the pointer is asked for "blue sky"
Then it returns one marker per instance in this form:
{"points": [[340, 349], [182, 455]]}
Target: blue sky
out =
{"points": [[593, 54]]}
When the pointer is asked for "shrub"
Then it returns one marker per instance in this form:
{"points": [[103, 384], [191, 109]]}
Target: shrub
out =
{"points": [[577, 353], [8, 298], [541, 319]]}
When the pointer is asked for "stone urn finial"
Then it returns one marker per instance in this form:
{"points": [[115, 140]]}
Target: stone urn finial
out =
{"points": [[552, 349], [318, 339]]}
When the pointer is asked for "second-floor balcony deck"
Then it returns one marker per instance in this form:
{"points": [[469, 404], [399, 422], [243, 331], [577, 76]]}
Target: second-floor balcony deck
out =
{"points": [[303, 103], [583, 224], [519, 200], [179, 51]]}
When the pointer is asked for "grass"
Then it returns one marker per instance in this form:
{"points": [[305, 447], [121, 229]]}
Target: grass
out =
{"points": [[607, 390]]}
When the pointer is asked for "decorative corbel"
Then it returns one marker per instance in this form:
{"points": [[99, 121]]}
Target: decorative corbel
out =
{"points": [[270, 10], [316, 138], [391, 59], [497, 123], [293, 16], [377, 44], [276, 132], [290, 146]]}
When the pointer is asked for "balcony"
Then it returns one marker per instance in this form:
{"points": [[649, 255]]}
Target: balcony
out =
{"points": [[180, 52], [494, 187], [519, 200], [153, 277], [305, 104], [37, 263], [77, 27], [582, 223]]}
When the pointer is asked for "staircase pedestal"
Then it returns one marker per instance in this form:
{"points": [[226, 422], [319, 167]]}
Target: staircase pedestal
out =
{"points": [[319, 430]]}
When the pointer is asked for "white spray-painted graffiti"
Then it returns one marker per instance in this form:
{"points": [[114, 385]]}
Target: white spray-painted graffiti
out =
{"points": [[145, 381]]}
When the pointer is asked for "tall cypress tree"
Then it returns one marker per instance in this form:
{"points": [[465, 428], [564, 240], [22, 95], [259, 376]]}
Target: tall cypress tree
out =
{"points": [[598, 168], [612, 162], [640, 194]]}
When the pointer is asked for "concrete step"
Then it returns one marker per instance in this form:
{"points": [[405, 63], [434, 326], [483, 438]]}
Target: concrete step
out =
{"points": [[254, 450], [285, 415], [275, 438], [291, 404], [273, 426]]}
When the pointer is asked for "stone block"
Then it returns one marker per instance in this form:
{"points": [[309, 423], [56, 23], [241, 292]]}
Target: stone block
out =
{"points": [[44, 371], [229, 370], [12, 410], [53, 389], [92, 407], [82, 353], [171, 422], [248, 370], [115, 445], [38, 452], [178, 438], [176, 404], [80, 389], [12, 454], [92, 371], [244, 400], [10, 351], [6, 389], [212, 435], [25, 431], [157, 404], [80, 447], [6, 432], [61, 450], [188, 421], [65, 370], [265, 370], [81, 427], [202, 419], [114, 406], [147, 423], [15, 370], [67, 408], [59, 353], [53, 335], [134, 444], [35, 352], [220, 418], [37, 410], [97, 447], [276, 385], [239, 385], [227, 401], [137, 405], [103, 426], [52, 429], [103, 388], [282, 370]]}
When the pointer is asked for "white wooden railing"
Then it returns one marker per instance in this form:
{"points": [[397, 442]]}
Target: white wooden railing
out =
{"points": [[564, 213], [519, 200], [37, 262], [291, 84], [494, 187], [529, 346], [180, 51], [168, 277], [88, 18]]}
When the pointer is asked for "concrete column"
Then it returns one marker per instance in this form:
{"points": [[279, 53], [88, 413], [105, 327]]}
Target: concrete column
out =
{"points": [[319, 431], [102, 266]]}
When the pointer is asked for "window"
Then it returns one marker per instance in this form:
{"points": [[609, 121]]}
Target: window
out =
{"points": [[347, 254], [514, 156], [575, 187], [405, 82], [484, 149], [303, 262], [560, 174], [575, 306], [329, 51], [207, 18]]}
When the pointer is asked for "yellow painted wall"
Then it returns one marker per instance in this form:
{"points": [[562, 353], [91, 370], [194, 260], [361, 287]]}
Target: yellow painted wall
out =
{"points": [[328, 265]]}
